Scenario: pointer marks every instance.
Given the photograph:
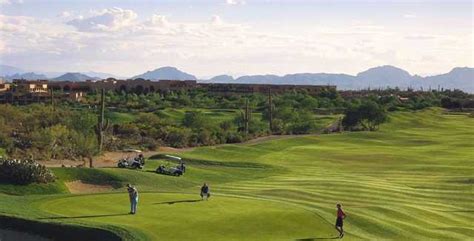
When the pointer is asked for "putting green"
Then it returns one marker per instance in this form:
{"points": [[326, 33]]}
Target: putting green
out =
{"points": [[166, 216]]}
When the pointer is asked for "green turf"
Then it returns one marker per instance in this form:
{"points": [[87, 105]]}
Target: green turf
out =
{"points": [[166, 216], [412, 180], [2, 152], [216, 116], [120, 117]]}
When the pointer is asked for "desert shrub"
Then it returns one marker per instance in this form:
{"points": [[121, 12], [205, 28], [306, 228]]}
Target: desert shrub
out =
{"points": [[235, 137], [24, 172], [366, 116]]}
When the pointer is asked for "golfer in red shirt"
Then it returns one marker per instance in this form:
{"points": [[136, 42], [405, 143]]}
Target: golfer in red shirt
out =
{"points": [[339, 221]]}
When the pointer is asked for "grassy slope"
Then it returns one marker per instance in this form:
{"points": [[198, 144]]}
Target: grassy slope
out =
{"points": [[120, 117], [411, 180]]}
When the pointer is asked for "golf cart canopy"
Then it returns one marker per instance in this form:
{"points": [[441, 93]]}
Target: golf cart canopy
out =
{"points": [[173, 157], [132, 150]]}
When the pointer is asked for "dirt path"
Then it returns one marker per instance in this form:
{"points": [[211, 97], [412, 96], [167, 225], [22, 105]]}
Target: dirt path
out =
{"points": [[109, 159]]}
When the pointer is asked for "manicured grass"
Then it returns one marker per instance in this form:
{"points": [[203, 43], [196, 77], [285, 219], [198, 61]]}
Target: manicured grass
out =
{"points": [[120, 117], [411, 180], [168, 216], [50, 188], [215, 115]]}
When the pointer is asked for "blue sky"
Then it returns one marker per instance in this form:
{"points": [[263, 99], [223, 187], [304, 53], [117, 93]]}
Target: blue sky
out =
{"points": [[235, 36]]}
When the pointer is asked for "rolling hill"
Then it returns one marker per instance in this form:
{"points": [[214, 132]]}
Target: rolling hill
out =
{"points": [[74, 77], [166, 73]]}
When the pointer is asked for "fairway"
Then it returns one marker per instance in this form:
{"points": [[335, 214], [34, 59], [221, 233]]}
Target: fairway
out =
{"points": [[168, 216], [411, 180]]}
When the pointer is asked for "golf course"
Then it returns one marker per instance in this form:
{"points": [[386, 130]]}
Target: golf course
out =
{"points": [[410, 180]]}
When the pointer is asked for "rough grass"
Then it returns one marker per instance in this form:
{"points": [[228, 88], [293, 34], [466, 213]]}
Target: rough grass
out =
{"points": [[412, 180]]}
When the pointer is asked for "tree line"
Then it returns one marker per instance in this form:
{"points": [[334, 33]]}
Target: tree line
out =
{"points": [[70, 130]]}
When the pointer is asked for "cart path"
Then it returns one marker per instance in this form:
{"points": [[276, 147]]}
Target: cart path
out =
{"points": [[109, 159]]}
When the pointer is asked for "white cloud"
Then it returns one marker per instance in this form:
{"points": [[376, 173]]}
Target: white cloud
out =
{"points": [[159, 21], [6, 2], [410, 15], [65, 14], [116, 41], [216, 20], [111, 19], [420, 37], [235, 2], [14, 24]]}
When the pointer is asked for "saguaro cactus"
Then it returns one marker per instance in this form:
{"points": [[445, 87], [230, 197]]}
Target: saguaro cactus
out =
{"points": [[247, 116], [270, 110], [102, 124], [51, 96]]}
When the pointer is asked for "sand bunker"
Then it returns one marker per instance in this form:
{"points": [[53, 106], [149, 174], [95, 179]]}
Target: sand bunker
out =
{"points": [[80, 187]]}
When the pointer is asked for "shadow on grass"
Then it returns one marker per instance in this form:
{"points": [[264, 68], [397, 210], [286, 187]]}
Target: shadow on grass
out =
{"points": [[179, 201], [165, 174], [87, 216], [458, 211], [312, 239]]}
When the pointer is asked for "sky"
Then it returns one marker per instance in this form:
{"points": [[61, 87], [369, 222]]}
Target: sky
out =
{"points": [[236, 37]]}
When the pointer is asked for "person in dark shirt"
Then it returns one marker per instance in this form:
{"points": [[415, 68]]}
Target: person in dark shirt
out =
{"points": [[141, 159], [339, 220], [205, 193], [182, 167]]}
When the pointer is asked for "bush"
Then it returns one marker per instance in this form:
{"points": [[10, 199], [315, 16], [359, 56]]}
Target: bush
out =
{"points": [[24, 172], [367, 116], [235, 137]]}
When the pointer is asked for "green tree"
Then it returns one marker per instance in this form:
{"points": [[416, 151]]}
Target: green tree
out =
{"points": [[195, 120], [368, 115]]}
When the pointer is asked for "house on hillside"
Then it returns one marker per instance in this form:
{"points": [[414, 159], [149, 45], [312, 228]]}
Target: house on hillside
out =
{"points": [[4, 87], [30, 86], [22, 91]]}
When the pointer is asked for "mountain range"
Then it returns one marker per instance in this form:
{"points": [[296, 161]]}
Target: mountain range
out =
{"points": [[9, 73], [377, 77]]}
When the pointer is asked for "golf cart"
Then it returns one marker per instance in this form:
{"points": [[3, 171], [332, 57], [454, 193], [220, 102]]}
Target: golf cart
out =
{"points": [[172, 171], [134, 163]]}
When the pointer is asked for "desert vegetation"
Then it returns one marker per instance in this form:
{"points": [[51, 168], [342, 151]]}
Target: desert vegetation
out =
{"points": [[196, 118], [24, 172]]}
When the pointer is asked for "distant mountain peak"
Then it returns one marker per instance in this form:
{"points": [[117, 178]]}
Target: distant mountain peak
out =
{"points": [[6, 70], [385, 69], [167, 72], [461, 69], [74, 76], [27, 76], [222, 78]]}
